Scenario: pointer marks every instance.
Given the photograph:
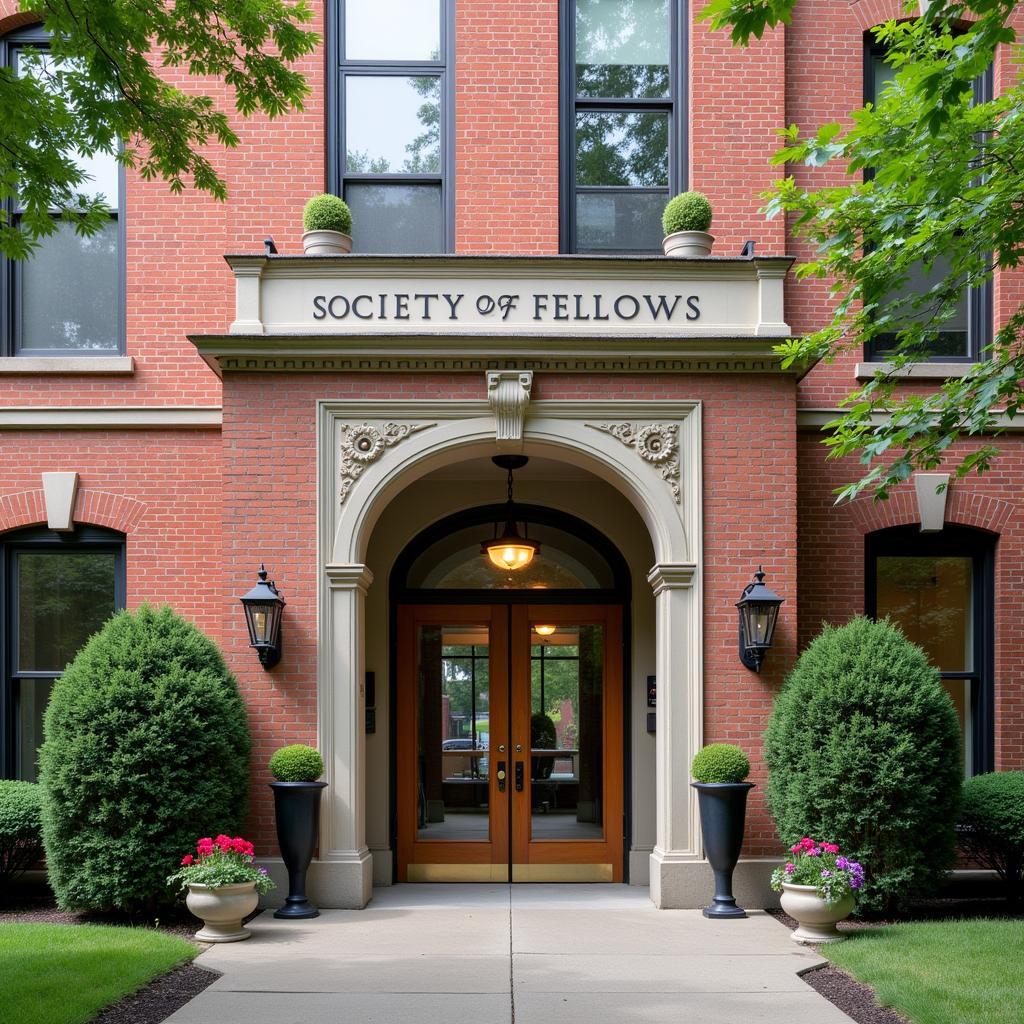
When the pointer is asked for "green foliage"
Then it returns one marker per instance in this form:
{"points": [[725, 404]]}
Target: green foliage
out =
{"points": [[296, 763], [720, 762], [21, 837], [146, 747], [105, 88], [992, 821], [689, 211], [946, 184], [863, 746], [327, 213]]}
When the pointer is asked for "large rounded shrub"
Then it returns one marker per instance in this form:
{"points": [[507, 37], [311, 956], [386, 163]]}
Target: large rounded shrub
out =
{"points": [[146, 748], [992, 826], [863, 749]]}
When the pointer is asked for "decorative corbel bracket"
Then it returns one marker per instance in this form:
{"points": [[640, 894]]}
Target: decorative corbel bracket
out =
{"points": [[508, 392]]}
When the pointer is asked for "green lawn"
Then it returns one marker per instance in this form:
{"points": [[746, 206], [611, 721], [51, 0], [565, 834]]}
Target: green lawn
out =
{"points": [[941, 972], [65, 974]]}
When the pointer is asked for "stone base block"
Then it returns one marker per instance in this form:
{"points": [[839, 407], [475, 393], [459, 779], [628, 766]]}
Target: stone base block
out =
{"points": [[678, 884], [330, 884]]}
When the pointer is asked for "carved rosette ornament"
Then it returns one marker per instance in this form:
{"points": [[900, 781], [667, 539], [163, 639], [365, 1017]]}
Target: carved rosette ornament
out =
{"points": [[363, 444], [655, 443]]}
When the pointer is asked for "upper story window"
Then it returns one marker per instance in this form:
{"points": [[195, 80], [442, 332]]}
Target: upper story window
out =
{"points": [[391, 145], [963, 337], [67, 298], [623, 108]]}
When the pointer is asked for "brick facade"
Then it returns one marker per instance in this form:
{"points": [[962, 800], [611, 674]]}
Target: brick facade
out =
{"points": [[199, 506]]}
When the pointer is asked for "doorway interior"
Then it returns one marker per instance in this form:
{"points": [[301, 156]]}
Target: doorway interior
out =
{"points": [[511, 720]]}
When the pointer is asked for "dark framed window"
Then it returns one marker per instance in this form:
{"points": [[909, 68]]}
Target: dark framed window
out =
{"points": [[623, 123], [965, 336], [58, 589], [68, 297], [939, 589], [390, 138]]}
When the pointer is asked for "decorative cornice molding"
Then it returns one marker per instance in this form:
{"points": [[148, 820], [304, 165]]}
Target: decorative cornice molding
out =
{"points": [[363, 444], [818, 419], [508, 392], [655, 443], [672, 576]]}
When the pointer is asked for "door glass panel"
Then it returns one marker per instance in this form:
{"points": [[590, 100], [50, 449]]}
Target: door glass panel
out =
{"points": [[930, 599], [567, 719], [62, 600], [453, 733], [621, 149]]}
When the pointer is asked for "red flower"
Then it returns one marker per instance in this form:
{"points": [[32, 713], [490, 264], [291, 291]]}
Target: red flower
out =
{"points": [[224, 842], [187, 859], [204, 847]]}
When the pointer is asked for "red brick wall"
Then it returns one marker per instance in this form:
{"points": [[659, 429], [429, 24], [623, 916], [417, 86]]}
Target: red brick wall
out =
{"points": [[269, 443]]}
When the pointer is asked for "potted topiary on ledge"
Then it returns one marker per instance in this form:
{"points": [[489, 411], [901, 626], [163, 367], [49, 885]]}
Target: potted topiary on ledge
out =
{"points": [[719, 771], [686, 220], [296, 769], [327, 222]]}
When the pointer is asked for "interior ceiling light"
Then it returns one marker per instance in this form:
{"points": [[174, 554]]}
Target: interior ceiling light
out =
{"points": [[511, 550], [544, 630]]}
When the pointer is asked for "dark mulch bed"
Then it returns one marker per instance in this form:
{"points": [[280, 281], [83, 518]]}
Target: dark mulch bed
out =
{"points": [[151, 1004], [856, 999]]}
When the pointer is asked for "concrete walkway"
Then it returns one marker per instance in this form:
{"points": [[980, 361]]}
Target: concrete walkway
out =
{"points": [[500, 954]]}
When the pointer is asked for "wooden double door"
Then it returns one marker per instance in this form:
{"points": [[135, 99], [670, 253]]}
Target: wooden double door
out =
{"points": [[509, 743]]}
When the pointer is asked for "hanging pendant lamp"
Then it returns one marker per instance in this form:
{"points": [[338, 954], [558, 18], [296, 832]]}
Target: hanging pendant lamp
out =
{"points": [[511, 550]]}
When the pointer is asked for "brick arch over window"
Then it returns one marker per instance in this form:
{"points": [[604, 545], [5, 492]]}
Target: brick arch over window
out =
{"points": [[20, 19], [963, 508], [92, 507], [870, 13]]}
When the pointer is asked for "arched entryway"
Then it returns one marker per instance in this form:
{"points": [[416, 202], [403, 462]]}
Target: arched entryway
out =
{"points": [[493, 668]]}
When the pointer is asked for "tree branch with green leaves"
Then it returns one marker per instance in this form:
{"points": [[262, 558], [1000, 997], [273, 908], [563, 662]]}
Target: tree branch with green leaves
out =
{"points": [[934, 198], [98, 87]]}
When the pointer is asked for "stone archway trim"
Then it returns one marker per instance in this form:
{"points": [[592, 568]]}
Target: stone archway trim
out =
{"points": [[369, 452]]}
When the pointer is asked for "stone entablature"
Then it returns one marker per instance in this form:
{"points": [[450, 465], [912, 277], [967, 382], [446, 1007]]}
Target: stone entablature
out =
{"points": [[567, 313]]}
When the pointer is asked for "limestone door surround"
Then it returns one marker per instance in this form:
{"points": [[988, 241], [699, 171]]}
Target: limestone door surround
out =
{"points": [[368, 452]]}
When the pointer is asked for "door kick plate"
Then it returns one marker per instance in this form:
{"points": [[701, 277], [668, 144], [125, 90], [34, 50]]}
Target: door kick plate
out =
{"points": [[561, 872]]}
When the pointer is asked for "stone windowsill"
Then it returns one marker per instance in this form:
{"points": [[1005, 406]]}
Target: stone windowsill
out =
{"points": [[67, 364], [917, 371]]}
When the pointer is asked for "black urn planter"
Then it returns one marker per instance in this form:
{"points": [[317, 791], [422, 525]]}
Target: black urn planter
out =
{"points": [[723, 809], [297, 809]]}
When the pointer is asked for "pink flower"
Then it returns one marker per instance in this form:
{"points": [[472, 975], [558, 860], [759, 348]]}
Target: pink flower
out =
{"points": [[204, 847], [795, 849], [830, 847], [790, 868], [224, 842], [808, 843], [187, 859], [814, 852]]}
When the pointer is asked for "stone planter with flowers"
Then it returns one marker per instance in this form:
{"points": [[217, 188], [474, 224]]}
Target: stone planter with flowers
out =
{"points": [[222, 886], [818, 886]]}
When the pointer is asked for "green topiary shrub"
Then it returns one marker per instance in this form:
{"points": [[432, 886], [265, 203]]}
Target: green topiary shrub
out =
{"points": [[327, 213], [146, 748], [296, 763], [21, 837], [992, 826], [863, 749], [720, 762], [689, 211]]}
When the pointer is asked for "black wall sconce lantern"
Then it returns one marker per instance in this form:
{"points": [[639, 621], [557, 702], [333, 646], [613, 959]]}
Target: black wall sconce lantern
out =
{"points": [[759, 612], [263, 606]]}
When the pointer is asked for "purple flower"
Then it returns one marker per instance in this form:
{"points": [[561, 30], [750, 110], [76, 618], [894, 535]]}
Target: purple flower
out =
{"points": [[825, 873], [856, 882], [842, 863], [262, 871], [814, 853]]}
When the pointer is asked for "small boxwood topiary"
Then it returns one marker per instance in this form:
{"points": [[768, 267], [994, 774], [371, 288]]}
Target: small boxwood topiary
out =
{"points": [[327, 213], [992, 826], [689, 211], [720, 762], [863, 747], [146, 747], [21, 836], [296, 763]]}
